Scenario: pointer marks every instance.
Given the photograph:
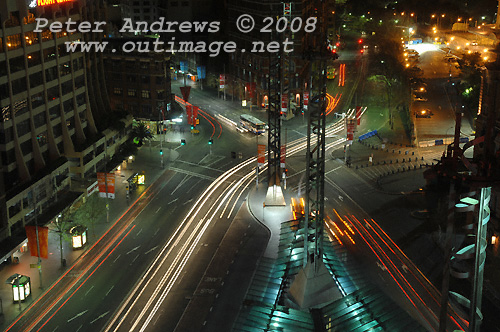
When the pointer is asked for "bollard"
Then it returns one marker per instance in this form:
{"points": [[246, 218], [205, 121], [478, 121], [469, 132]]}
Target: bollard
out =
{"points": [[390, 161], [397, 161], [413, 153], [392, 150], [356, 166], [403, 160], [414, 166], [422, 158], [406, 152]]}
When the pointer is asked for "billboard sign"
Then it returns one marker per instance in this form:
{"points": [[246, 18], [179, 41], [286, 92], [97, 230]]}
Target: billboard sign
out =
{"points": [[42, 3]]}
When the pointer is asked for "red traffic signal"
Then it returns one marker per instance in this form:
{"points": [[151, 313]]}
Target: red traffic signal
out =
{"points": [[360, 41]]}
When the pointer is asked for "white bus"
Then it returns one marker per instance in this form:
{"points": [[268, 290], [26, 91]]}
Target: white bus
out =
{"points": [[252, 124]]}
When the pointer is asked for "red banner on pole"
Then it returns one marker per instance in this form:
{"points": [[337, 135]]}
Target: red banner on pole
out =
{"points": [[261, 154], [43, 240], [306, 98], [185, 90], [111, 185], [195, 115], [189, 112], [358, 115], [101, 182], [282, 155], [284, 102], [350, 130], [222, 81]]}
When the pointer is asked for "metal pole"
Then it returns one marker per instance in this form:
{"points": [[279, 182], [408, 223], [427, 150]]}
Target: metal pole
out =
{"points": [[19, 291], [224, 88], [37, 241], [257, 169], [106, 183]]}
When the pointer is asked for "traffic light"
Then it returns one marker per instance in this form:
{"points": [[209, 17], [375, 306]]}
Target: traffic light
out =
{"points": [[210, 141], [183, 142], [161, 152], [192, 127]]}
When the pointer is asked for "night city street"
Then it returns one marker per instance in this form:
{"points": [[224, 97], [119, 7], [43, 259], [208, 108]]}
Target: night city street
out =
{"points": [[206, 165]]}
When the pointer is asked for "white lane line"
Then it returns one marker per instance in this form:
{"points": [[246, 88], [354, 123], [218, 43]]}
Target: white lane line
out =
{"points": [[101, 316], [89, 290], [109, 290], [77, 315], [134, 249], [147, 252]]}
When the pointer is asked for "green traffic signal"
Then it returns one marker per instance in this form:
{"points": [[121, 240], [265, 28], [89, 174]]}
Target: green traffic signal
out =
{"points": [[210, 141], [161, 152]]}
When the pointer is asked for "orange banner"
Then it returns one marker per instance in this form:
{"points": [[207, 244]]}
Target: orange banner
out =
{"points": [[43, 240], [261, 154], [111, 185], [101, 180], [282, 155]]}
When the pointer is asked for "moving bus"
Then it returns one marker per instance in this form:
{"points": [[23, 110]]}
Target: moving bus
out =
{"points": [[252, 124]]}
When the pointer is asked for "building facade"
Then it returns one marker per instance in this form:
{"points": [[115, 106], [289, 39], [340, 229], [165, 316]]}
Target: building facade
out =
{"points": [[138, 83], [49, 141]]}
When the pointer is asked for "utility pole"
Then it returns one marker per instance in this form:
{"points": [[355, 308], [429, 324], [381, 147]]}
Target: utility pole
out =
{"points": [[39, 261]]}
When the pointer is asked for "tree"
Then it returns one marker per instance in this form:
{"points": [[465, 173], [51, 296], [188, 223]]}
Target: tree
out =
{"points": [[140, 133], [470, 75], [61, 226], [89, 212]]}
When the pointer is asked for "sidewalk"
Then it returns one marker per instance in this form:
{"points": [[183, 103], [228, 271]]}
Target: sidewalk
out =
{"points": [[147, 160]]}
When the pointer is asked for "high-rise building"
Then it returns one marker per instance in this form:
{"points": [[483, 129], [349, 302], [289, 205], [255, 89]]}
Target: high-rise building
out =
{"points": [[138, 82], [49, 141]]}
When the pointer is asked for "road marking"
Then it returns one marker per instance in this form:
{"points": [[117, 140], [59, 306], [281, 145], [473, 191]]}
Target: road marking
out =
{"points": [[189, 173], [89, 290], [172, 201], [134, 259], [341, 198], [117, 258], [77, 315], [79, 328], [158, 229], [55, 328], [158, 209], [187, 201], [101, 316], [109, 290], [147, 252], [139, 232], [333, 170], [133, 249], [301, 134]]}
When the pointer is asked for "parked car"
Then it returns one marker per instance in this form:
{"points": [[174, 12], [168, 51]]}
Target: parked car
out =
{"points": [[425, 113]]}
